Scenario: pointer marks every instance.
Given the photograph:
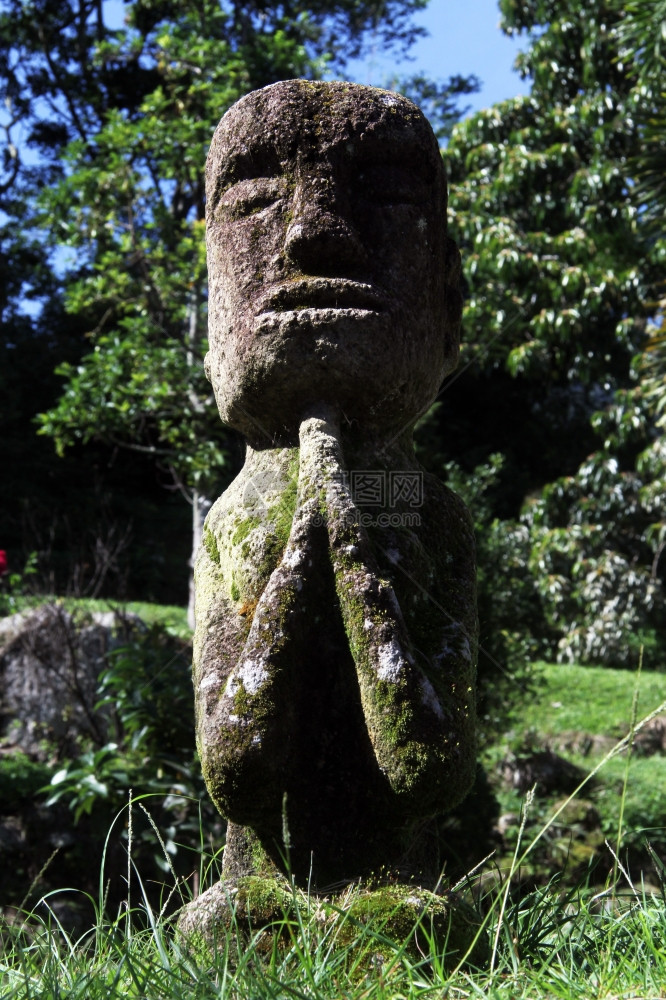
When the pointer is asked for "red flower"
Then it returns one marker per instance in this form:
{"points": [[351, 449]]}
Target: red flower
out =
{"points": [[4, 565]]}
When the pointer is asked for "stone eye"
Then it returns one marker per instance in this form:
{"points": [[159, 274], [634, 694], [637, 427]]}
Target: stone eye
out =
{"points": [[248, 197]]}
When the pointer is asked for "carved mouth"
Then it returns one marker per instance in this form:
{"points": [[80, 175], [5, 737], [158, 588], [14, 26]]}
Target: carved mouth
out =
{"points": [[324, 293]]}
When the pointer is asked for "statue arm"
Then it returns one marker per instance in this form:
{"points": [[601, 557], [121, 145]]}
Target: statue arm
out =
{"points": [[244, 677], [243, 680], [422, 733]]}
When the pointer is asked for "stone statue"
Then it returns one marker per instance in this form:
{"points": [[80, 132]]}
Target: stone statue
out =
{"points": [[336, 631]]}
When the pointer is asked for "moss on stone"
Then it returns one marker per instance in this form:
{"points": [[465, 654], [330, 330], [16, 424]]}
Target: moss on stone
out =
{"points": [[412, 766], [242, 701], [262, 900], [261, 862], [210, 545], [382, 921], [282, 513], [417, 920], [243, 527]]}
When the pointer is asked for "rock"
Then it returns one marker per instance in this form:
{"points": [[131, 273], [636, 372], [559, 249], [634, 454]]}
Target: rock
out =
{"points": [[583, 743], [507, 821], [651, 738], [545, 769], [378, 922], [49, 666]]}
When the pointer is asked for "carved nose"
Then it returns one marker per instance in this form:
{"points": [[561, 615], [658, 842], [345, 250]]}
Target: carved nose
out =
{"points": [[319, 239]]}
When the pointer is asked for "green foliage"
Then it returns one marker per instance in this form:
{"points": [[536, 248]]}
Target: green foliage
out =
{"points": [[438, 101], [553, 255], [97, 517], [20, 780], [122, 140], [110, 129], [591, 559], [15, 587], [141, 685], [131, 205], [145, 693], [641, 36], [96, 774], [116, 389], [563, 314]]}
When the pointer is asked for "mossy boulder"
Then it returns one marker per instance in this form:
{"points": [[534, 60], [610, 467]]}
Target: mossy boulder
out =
{"points": [[419, 921]]}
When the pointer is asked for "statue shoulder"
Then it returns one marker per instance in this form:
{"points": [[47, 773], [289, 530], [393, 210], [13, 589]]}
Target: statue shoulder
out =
{"points": [[246, 531]]}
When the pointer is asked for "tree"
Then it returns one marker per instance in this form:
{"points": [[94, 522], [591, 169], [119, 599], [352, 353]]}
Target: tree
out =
{"points": [[561, 277], [641, 34], [121, 119], [642, 38]]}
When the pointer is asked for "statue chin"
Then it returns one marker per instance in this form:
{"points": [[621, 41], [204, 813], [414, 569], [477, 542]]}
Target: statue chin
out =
{"points": [[266, 407], [350, 359]]}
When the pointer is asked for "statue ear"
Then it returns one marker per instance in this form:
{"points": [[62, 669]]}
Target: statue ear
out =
{"points": [[207, 365]]}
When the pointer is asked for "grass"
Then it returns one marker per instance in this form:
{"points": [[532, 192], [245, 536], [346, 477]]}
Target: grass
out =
{"points": [[581, 712], [579, 942], [549, 945], [591, 699], [171, 616]]}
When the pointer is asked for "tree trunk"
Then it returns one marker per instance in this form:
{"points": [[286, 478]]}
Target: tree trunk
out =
{"points": [[200, 507]]}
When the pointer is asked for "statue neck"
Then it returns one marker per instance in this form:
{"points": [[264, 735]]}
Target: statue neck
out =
{"points": [[383, 452]]}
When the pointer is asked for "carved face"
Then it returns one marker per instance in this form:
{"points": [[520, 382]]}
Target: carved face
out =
{"points": [[331, 277]]}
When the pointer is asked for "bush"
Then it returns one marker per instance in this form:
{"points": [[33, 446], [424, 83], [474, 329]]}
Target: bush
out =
{"points": [[20, 780], [592, 564], [145, 690], [14, 587]]}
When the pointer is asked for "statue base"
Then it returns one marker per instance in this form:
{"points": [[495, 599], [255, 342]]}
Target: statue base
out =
{"points": [[381, 920]]}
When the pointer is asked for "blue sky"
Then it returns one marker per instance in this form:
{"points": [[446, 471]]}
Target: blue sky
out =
{"points": [[464, 38]]}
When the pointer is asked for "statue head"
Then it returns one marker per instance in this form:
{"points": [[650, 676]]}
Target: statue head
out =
{"points": [[331, 277]]}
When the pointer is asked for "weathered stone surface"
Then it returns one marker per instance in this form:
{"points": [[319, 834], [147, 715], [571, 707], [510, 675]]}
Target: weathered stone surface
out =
{"points": [[331, 274], [649, 739], [375, 920], [48, 674], [336, 634], [50, 662], [543, 769]]}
